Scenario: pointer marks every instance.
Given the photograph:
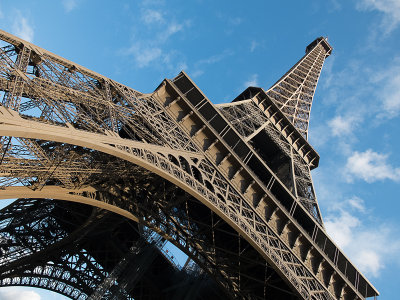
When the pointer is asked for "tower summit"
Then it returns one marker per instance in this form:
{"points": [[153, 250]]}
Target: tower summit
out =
{"points": [[105, 175]]}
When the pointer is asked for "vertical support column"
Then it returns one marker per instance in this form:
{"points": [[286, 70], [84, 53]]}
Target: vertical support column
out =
{"points": [[112, 116], [293, 173]]}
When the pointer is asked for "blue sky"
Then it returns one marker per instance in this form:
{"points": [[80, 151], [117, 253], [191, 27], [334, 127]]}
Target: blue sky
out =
{"points": [[229, 45]]}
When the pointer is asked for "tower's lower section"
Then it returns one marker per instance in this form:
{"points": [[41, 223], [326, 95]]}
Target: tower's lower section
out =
{"points": [[84, 252]]}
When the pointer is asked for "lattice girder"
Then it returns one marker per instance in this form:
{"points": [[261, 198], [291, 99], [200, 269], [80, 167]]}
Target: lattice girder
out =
{"points": [[292, 95], [79, 263], [177, 134], [184, 178], [197, 246], [294, 92]]}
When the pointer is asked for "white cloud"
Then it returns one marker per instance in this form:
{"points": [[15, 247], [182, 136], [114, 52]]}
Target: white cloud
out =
{"points": [[389, 92], [372, 244], [14, 293], [357, 204], [347, 102], [369, 248], [354, 203], [370, 261], [327, 72], [343, 125], [172, 28], [370, 166], [341, 227], [153, 30], [197, 73], [150, 16], [199, 65], [389, 8], [144, 55], [182, 66], [173, 61], [22, 28], [69, 5], [391, 96], [214, 58], [252, 81], [374, 93]]}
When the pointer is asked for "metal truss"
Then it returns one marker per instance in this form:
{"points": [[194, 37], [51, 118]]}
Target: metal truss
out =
{"points": [[230, 187], [250, 122], [91, 252], [294, 92]]}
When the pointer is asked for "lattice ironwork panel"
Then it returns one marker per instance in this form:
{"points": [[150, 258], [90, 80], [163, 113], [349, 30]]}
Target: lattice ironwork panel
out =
{"points": [[105, 175]]}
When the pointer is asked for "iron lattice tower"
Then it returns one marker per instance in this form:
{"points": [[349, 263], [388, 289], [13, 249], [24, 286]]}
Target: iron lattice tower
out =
{"points": [[105, 175]]}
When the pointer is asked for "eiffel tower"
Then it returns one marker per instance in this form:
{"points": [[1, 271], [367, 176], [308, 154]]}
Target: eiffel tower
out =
{"points": [[105, 176]]}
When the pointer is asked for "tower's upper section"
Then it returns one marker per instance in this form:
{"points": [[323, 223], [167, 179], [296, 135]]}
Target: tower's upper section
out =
{"points": [[323, 41], [288, 101], [294, 92]]}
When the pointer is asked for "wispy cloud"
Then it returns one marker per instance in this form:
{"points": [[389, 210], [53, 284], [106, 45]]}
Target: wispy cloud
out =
{"points": [[390, 10], [151, 16], [174, 61], [12, 293], [357, 204], [361, 96], [391, 96], [22, 28], [252, 81], [152, 35], [369, 247], [253, 45], [229, 22], [318, 134], [229, 19], [69, 5], [171, 29], [197, 73], [356, 98], [144, 55], [370, 242], [235, 21], [213, 59], [388, 92], [370, 166]]}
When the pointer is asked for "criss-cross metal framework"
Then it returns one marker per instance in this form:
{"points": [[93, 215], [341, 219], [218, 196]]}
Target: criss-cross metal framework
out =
{"points": [[105, 175]]}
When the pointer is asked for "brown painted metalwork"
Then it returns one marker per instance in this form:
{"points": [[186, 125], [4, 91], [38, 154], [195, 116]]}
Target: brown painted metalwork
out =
{"points": [[229, 185]]}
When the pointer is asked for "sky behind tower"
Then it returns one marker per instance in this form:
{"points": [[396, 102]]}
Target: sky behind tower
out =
{"points": [[226, 46]]}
